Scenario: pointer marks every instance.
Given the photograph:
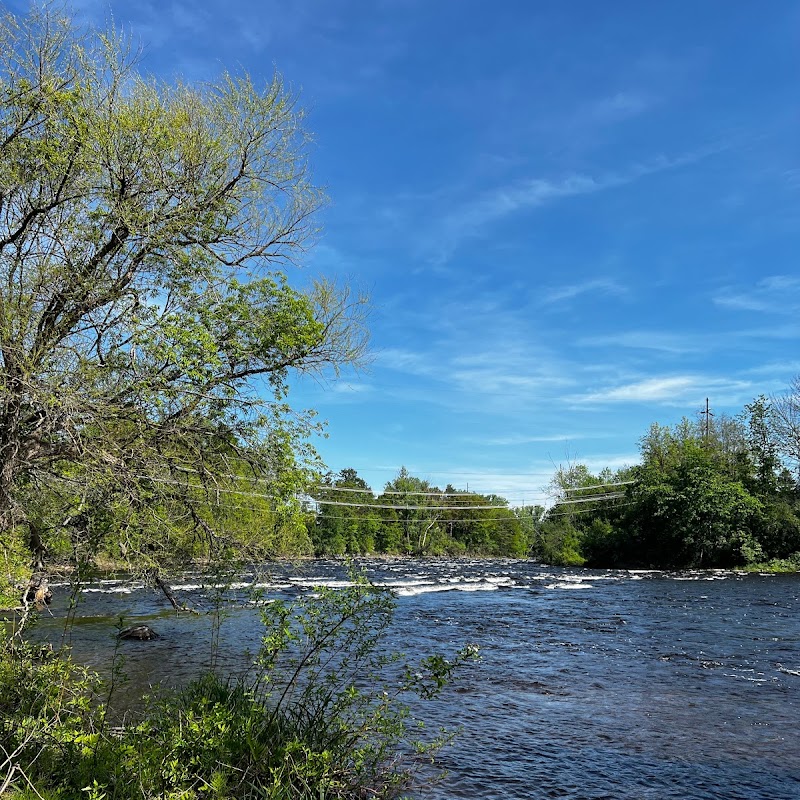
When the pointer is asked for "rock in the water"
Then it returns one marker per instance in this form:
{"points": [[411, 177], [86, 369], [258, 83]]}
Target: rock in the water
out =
{"points": [[141, 633]]}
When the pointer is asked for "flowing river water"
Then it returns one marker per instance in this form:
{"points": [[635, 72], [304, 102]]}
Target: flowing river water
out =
{"points": [[592, 683]]}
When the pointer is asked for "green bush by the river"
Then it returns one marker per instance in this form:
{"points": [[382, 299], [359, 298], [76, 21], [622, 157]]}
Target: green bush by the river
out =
{"points": [[320, 714]]}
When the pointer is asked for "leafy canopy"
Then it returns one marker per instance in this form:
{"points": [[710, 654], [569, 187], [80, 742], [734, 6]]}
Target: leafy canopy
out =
{"points": [[147, 331]]}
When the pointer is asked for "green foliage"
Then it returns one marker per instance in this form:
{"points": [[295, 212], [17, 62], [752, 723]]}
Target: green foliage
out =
{"points": [[560, 544], [790, 564], [604, 544], [321, 714], [143, 234], [47, 714], [14, 566], [710, 494], [777, 528], [341, 528], [692, 515], [425, 521], [764, 459]]}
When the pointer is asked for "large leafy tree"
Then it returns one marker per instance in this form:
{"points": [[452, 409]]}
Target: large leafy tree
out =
{"points": [[419, 511], [147, 330], [692, 514]]}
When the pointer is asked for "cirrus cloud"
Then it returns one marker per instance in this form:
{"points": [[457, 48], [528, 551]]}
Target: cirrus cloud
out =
{"points": [[666, 390]]}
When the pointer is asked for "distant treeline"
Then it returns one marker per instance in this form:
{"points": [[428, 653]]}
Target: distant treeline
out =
{"points": [[717, 493], [413, 517], [713, 492]]}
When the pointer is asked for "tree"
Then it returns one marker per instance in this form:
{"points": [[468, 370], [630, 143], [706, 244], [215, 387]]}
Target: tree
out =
{"points": [[530, 519], [763, 449], [419, 509], [345, 523], [485, 527], [146, 328], [692, 514], [785, 422], [566, 535]]}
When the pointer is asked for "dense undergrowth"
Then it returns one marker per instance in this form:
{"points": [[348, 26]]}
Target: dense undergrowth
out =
{"points": [[322, 713]]}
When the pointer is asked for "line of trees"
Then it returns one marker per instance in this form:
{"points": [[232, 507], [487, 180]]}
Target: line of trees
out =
{"points": [[413, 517], [723, 492]]}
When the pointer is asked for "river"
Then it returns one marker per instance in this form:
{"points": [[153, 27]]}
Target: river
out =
{"points": [[592, 683]]}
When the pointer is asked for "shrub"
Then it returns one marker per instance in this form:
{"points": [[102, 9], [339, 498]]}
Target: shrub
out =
{"points": [[321, 714]]}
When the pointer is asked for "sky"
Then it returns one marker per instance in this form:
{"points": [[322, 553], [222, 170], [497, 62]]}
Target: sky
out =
{"points": [[574, 219]]}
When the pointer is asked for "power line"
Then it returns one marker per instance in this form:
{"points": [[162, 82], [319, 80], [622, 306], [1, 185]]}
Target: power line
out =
{"points": [[312, 499], [447, 472], [322, 487], [209, 489], [598, 486], [585, 510], [224, 507], [401, 507], [319, 487], [440, 521], [611, 496]]}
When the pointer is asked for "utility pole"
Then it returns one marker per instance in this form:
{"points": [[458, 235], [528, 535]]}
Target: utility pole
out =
{"points": [[707, 414]]}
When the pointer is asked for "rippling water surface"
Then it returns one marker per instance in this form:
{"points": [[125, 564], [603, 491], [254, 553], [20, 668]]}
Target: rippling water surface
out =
{"points": [[592, 684]]}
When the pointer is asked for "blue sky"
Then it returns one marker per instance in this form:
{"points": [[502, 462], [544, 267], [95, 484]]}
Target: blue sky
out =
{"points": [[574, 219]]}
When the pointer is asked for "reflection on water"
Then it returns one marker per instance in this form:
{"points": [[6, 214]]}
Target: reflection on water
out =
{"points": [[593, 684]]}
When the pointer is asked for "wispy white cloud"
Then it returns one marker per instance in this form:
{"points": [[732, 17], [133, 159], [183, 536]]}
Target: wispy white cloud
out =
{"points": [[669, 390], [780, 370], [512, 381], [792, 178], [495, 371], [351, 388], [519, 439], [789, 331], [413, 362], [777, 294], [471, 218], [570, 291], [660, 341], [615, 108]]}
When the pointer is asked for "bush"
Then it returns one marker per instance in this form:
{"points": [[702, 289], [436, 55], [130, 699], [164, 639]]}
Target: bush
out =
{"points": [[789, 564], [320, 715], [560, 544], [14, 567]]}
